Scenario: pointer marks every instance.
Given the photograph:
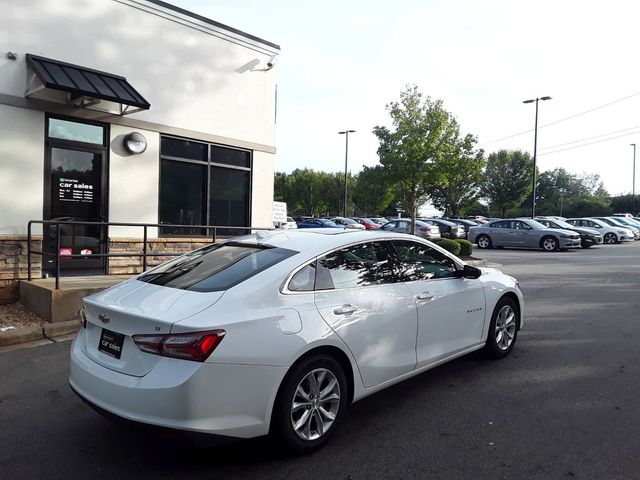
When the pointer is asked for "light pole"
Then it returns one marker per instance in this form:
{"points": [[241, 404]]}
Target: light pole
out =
{"points": [[633, 194], [535, 151], [346, 161]]}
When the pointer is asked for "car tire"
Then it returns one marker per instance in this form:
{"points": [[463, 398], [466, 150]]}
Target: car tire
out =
{"points": [[483, 241], [610, 238], [503, 329], [585, 245], [549, 244], [307, 413]]}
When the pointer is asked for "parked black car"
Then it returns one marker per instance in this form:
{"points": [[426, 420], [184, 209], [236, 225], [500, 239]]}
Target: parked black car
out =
{"points": [[466, 224], [448, 229], [588, 236]]}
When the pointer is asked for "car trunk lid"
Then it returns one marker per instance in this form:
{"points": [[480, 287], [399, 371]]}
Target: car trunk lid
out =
{"points": [[133, 307]]}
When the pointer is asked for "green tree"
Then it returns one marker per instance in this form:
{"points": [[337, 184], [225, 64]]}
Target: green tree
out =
{"points": [[461, 169], [422, 131], [371, 191], [507, 179]]}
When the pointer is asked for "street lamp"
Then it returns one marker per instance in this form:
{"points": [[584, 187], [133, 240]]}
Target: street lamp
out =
{"points": [[535, 151], [633, 195], [346, 159]]}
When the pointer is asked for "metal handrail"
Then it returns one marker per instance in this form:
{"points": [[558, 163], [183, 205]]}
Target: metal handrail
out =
{"points": [[145, 240]]}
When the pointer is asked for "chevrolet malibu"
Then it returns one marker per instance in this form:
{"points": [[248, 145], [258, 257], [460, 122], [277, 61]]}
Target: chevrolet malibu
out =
{"points": [[277, 332]]}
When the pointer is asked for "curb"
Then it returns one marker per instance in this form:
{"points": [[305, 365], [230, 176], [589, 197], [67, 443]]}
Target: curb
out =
{"points": [[34, 333]]}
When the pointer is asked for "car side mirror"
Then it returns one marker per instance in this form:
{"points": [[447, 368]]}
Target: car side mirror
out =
{"points": [[469, 272]]}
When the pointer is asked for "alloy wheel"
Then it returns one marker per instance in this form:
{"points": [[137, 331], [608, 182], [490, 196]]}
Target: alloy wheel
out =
{"points": [[610, 238], [315, 404], [549, 244], [505, 327], [484, 242]]}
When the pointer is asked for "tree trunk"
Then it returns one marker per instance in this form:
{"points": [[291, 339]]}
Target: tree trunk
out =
{"points": [[412, 207]]}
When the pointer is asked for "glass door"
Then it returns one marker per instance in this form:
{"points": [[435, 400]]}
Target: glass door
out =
{"points": [[75, 190]]}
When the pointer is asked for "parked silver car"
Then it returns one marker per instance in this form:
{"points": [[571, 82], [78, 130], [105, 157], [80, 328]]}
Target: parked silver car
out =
{"points": [[423, 229], [522, 233]]}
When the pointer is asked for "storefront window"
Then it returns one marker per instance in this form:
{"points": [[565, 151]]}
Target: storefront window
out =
{"points": [[203, 184]]}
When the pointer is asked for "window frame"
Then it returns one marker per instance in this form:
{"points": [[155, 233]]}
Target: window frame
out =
{"points": [[209, 163], [284, 287]]}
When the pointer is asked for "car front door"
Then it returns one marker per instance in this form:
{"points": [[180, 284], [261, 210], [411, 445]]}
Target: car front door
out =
{"points": [[519, 234], [359, 295], [451, 310]]}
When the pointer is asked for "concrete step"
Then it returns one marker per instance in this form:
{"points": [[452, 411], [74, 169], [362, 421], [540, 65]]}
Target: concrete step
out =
{"points": [[41, 297]]}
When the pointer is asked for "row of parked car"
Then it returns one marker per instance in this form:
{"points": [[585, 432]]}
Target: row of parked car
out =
{"points": [[556, 233], [429, 228], [545, 232]]}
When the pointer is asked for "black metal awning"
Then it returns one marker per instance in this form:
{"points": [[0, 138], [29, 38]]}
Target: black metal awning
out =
{"points": [[85, 87]]}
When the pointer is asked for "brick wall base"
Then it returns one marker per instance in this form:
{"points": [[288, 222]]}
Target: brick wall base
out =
{"points": [[14, 262]]}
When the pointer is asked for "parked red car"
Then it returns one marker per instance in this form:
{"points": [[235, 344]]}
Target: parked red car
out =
{"points": [[368, 223]]}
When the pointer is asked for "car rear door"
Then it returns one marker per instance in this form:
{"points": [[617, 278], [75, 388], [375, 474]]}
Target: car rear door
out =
{"points": [[359, 295]]}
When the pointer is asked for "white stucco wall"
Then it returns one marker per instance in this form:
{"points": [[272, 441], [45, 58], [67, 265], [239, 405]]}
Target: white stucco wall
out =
{"points": [[133, 183], [21, 169], [262, 190], [196, 76]]}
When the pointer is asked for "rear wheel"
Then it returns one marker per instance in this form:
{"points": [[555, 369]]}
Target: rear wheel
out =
{"points": [[549, 244], [483, 241], [610, 238], [310, 404], [503, 329]]}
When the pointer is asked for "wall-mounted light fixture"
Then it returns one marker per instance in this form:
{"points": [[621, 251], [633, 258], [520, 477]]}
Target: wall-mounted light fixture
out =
{"points": [[134, 143]]}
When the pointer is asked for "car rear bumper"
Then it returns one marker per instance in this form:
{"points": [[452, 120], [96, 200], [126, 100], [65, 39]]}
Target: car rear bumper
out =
{"points": [[220, 399]]}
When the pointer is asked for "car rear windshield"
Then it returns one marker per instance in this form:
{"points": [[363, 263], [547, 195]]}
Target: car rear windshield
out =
{"points": [[216, 267]]}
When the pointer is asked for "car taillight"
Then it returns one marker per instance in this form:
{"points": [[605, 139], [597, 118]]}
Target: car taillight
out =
{"points": [[196, 346]]}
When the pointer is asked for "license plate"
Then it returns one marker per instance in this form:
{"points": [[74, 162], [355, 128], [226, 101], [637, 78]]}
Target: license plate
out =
{"points": [[111, 343]]}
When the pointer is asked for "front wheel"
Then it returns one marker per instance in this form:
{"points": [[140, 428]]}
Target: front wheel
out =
{"points": [[310, 404], [550, 244], [483, 241], [503, 329], [610, 238]]}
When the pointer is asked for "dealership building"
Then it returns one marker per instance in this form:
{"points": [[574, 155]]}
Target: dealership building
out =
{"points": [[134, 112]]}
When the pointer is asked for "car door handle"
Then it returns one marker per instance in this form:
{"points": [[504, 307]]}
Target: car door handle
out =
{"points": [[345, 310], [425, 296]]}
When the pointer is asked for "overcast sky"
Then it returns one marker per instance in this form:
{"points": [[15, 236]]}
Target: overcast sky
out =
{"points": [[343, 61]]}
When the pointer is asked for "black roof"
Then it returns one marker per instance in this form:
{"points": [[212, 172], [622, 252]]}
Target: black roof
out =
{"points": [[81, 81]]}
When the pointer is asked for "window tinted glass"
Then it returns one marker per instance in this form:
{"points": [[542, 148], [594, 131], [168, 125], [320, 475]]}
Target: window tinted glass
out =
{"points": [[356, 266], [174, 147], [304, 280], [229, 197], [499, 225], [389, 226], [216, 267], [183, 196], [230, 156], [421, 262]]}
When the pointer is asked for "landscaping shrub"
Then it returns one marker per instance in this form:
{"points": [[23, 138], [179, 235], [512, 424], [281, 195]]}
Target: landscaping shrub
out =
{"points": [[466, 247], [449, 245]]}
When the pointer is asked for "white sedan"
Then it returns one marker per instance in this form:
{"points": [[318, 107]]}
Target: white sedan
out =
{"points": [[277, 332]]}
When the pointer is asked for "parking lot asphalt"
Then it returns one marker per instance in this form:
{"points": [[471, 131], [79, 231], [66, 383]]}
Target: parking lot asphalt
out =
{"points": [[563, 405]]}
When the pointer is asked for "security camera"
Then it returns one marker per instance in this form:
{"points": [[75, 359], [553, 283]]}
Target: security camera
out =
{"points": [[272, 61]]}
